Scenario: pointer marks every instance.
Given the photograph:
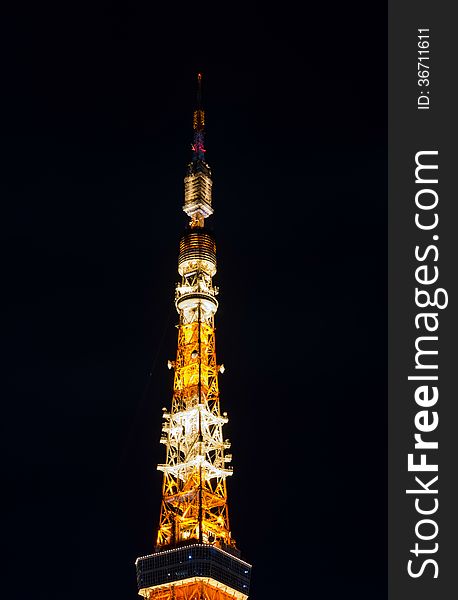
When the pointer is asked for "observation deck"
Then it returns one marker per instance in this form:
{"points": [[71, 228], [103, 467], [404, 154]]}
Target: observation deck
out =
{"points": [[194, 562]]}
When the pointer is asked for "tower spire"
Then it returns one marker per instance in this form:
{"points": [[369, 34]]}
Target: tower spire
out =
{"points": [[198, 182], [195, 555]]}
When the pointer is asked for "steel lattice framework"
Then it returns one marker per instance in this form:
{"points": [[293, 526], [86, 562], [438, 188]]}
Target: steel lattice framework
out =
{"points": [[194, 497]]}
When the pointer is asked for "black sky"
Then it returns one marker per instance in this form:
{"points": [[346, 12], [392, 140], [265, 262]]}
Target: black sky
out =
{"points": [[96, 130]]}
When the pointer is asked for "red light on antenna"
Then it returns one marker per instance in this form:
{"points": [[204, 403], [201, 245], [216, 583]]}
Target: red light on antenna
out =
{"points": [[199, 75]]}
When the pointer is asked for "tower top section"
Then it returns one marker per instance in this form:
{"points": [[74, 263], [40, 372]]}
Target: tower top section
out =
{"points": [[198, 182]]}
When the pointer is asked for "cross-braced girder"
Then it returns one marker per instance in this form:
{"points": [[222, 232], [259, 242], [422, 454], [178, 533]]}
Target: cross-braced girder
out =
{"points": [[194, 495]]}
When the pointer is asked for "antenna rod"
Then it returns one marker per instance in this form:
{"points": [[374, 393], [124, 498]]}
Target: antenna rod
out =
{"points": [[199, 90]]}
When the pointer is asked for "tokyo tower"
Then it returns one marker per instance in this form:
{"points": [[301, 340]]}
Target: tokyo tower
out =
{"points": [[195, 556]]}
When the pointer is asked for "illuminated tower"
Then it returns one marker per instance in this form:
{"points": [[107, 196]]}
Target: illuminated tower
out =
{"points": [[195, 557]]}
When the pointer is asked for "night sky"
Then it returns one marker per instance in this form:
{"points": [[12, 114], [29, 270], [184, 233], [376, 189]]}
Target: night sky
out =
{"points": [[96, 130]]}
